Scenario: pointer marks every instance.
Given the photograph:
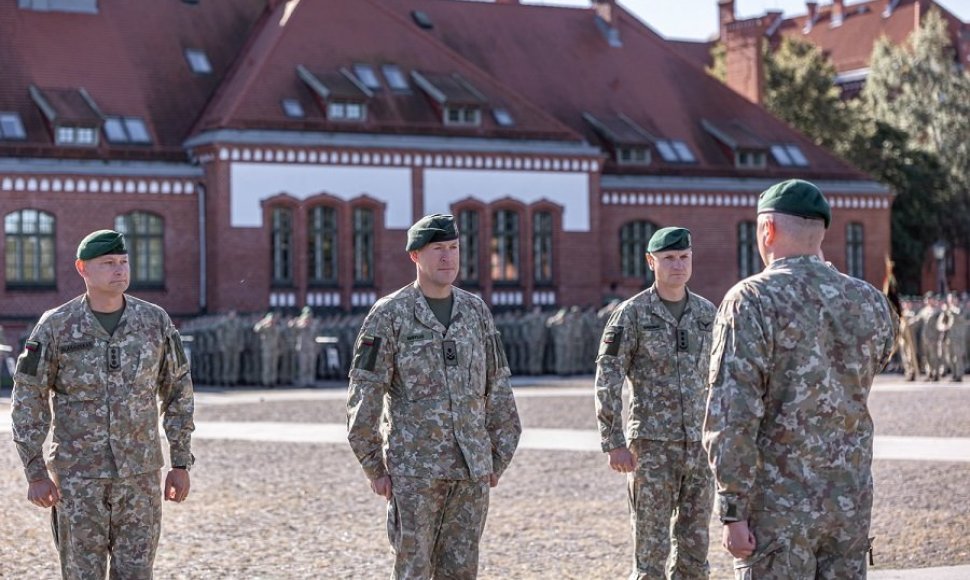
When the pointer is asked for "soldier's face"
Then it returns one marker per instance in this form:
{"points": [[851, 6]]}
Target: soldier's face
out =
{"points": [[105, 274], [437, 263], [673, 267]]}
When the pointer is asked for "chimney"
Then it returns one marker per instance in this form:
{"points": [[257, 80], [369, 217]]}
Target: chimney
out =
{"points": [[744, 61], [838, 12], [812, 6], [725, 14], [607, 13], [605, 9]]}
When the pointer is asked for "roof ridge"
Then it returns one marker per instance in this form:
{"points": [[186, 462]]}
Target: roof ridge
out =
{"points": [[232, 79]]}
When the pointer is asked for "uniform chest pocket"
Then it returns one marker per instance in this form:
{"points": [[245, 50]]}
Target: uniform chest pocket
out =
{"points": [[79, 371], [653, 340], [420, 365]]}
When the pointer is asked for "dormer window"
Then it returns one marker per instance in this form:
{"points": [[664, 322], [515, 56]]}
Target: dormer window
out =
{"points": [[11, 127], [345, 111], [633, 156], [82, 136], [463, 116], [459, 101], [198, 61], [126, 130], [72, 115], [342, 96], [788, 155], [745, 147], [749, 159]]}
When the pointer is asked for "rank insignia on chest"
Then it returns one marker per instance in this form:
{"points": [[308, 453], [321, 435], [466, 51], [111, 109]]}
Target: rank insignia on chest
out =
{"points": [[114, 358], [450, 352], [683, 340]]}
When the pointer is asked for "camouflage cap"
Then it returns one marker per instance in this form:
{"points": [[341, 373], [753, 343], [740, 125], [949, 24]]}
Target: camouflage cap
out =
{"points": [[796, 197], [669, 239], [431, 228], [101, 243]]}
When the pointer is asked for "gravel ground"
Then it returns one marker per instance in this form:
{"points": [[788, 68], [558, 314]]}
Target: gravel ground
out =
{"points": [[263, 510]]}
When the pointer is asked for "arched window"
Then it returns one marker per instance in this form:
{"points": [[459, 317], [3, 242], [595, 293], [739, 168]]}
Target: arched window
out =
{"points": [[363, 246], [505, 246], [468, 232], [542, 247], [634, 238], [322, 252], [282, 246], [144, 234], [29, 248], [749, 259], [854, 250]]}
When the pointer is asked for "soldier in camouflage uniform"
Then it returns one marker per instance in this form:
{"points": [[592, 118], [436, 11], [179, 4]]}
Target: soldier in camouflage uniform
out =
{"points": [[106, 363], [953, 342], [660, 341], [431, 415], [787, 429]]}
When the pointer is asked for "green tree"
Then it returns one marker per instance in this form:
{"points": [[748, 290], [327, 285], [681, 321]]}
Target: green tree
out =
{"points": [[800, 88]]}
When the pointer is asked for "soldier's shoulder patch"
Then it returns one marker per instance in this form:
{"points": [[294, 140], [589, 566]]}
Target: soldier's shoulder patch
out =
{"points": [[612, 338], [30, 358], [367, 348]]}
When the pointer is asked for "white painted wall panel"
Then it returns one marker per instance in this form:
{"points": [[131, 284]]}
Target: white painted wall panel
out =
{"points": [[252, 182], [442, 187]]}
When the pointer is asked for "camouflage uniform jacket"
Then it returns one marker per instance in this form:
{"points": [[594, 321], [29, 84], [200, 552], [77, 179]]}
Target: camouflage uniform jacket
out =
{"points": [[105, 390], [426, 402], [796, 349], [666, 362]]}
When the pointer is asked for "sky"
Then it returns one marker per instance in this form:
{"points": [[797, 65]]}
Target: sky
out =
{"points": [[697, 19]]}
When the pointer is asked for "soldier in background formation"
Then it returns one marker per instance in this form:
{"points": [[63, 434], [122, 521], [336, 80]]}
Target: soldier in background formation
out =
{"points": [[934, 337], [232, 349]]}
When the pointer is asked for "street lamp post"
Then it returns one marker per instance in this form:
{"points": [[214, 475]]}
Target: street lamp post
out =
{"points": [[939, 252]]}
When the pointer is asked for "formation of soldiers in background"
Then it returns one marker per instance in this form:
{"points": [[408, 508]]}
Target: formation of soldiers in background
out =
{"points": [[275, 349], [933, 337]]}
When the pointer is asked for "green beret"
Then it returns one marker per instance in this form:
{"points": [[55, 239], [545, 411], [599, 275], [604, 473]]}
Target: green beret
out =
{"points": [[669, 239], [429, 229], [101, 243], [796, 197]]}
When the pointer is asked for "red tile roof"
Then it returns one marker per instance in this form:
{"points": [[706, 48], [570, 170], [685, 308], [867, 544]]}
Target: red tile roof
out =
{"points": [[308, 33], [849, 46], [129, 58], [560, 59]]}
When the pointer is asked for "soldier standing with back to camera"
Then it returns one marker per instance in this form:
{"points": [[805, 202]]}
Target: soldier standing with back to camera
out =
{"points": [[788, 429], [431, 415], [660, 340], [107, 363]]}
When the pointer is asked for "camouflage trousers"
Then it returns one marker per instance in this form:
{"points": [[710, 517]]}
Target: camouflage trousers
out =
{"points": [[434, 526], [98, 519], [671, 495], [824, 546]]}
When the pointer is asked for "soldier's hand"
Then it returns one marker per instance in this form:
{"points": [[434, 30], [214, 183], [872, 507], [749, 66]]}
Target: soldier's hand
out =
{"points": [[621, 460], [382, 486], [739, 540], [492, 480], [43, 493], [177, 485]]}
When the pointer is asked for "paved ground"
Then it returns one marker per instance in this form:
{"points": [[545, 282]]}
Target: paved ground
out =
{"points": [[273, 498]]}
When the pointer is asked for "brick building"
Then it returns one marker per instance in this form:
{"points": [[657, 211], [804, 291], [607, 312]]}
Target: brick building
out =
{"points": [[271, 154]]}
